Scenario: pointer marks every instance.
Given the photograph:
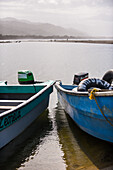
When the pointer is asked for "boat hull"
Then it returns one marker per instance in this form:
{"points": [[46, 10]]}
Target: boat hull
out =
{"points": [[17, 120], [17, 128], [86, 114]]}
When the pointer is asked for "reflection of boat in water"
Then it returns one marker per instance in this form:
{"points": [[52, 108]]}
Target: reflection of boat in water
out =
{"points": [[81, 150], [26, 144], [93, 116]]}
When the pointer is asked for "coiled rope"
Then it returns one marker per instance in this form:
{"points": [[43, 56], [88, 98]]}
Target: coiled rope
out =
{"points": [[92, 96]]}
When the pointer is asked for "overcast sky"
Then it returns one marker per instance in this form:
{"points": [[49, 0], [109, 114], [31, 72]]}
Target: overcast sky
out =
{"points": [[92, 16]]}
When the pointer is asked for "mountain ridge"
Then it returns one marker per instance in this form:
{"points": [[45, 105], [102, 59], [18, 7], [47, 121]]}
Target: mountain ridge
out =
{"points": [[13, 26]]}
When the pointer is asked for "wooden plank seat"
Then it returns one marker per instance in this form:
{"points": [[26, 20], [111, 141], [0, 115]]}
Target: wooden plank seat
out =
{"points": [[11, 102], [6, 107]]}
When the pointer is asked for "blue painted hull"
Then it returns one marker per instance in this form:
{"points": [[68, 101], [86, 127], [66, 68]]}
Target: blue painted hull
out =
{"points": [[86, 113], [15, 121]]}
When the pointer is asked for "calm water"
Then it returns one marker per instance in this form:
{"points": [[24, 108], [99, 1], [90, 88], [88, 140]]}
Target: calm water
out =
{"points": [[53, 141]]}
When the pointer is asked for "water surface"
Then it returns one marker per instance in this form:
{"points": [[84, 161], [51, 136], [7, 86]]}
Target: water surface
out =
{"points": [[54, 141]]}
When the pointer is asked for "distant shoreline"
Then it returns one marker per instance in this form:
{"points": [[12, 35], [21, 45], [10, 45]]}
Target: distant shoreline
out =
{"points": [[96, 41], [88, 41]]}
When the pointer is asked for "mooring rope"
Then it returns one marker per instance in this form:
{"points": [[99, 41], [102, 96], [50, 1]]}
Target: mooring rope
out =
{"points": [[92, 96]]}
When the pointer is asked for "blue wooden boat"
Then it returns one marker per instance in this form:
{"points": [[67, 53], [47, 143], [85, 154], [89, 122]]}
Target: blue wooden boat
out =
{"points": [[93, 116], [20, 105]]}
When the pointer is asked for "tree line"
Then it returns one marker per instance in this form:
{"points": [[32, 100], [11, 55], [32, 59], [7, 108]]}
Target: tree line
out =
{"points": [[3, 37]]}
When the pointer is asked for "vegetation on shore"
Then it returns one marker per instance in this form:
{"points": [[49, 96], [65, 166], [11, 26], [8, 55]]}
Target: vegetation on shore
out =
{"points": [[7, 37]]}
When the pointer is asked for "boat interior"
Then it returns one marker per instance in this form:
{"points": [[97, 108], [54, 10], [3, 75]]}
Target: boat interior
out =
{"points": [[12, 96]]}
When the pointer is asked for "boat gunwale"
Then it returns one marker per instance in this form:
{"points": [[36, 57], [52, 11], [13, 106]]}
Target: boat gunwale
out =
{"points": [[32, 98], [103, 93]]}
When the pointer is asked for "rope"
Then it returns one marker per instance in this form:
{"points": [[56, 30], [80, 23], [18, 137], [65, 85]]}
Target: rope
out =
{"points": [[92, 96]]}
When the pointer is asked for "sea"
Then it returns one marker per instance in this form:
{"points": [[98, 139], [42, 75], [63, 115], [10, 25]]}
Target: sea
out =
{"points": [[53, 141]]}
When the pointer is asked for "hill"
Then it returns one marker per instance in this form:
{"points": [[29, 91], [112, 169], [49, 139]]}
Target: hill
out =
{"points": [[12, 26]]}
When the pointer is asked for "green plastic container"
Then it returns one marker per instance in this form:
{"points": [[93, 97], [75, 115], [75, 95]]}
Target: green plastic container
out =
{"points": [[25, 77]]}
